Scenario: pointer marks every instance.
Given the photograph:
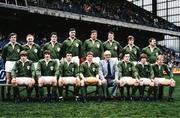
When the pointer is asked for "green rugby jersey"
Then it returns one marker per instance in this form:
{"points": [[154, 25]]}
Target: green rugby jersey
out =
{"points": [[11, 53], [114, 47], [96, 47], [145, 71], [134, 52], [23, 70], [152, 55], [68, 70], [159, 71], [89, 71], [126, 69], [74, 46], [55, 50], [47, 69], [34, 52]]}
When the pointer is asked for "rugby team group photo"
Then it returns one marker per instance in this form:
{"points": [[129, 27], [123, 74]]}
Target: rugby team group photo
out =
{"points": [[114, 71]]}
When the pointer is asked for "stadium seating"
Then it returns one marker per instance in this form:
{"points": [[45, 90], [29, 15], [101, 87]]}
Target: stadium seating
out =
{"points": [[123, 11]]}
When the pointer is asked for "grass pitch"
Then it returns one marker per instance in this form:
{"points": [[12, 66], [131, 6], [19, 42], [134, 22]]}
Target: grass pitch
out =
{"points": [[93, 109]]}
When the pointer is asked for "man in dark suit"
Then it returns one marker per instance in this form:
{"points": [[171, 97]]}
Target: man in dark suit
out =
{"points": [[108, 74]]}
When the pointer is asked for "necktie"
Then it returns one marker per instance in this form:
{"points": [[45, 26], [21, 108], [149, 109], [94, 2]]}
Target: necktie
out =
{"points": [[109, 69]]}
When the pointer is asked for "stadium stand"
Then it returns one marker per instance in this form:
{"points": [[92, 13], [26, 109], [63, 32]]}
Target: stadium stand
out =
{"points": [[121, 10]]}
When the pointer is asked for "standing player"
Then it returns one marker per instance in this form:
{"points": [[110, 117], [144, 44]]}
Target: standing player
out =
{"points": [[145, 75], [10, 55], [23, 73], [34, 54], [69, 75], [113, 46], [74, 45], [127, 76], [152, 51], [94, 45], [54, 47], [47, 72], [89, 73], [160, 69], [132, 49]]}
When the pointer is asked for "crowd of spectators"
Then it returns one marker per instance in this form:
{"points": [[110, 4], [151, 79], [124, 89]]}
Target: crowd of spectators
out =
{"points": [[121, 10], [171, 58]]}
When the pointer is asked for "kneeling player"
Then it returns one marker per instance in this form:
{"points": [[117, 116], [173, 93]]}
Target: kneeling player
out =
{"points": [[68, 72], [128, 76], [160, 69], [47, 72], [23, 73], [89, 74], [146, 76]]}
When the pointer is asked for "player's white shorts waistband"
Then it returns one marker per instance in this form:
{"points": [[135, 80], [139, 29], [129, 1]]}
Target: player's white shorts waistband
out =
{"points": [[9, 65], [24, 80], [146, 81], [69, 80], [126, 79], [48, 79], [159, 80]]}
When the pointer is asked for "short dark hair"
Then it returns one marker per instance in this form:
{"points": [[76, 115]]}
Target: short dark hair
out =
{"points": [[90, 53], [72, 29], [143, 56], [69, 52], [53, 33], [150, 39], [47, 52], [111, 32], [125, 54], [94, 31], [12, 34], [23, 53], [130, 37]]}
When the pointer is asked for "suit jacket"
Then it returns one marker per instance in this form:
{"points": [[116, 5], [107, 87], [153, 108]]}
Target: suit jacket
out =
{"points": [[103, 71]]}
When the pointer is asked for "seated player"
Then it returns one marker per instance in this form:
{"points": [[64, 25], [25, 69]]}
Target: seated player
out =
{"points": [[23, 73], [160, 68], [69, 75], [89, 73], [108, 73], [47, 72], [145, 75], [128, 76]]}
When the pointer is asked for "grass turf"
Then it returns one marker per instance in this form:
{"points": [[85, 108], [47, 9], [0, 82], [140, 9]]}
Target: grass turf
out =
{"points": [[94, 109]]}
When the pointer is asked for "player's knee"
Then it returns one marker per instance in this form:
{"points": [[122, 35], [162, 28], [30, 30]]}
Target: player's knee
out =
{"points": [[141, 83], [104, 81], [40, 82], [99, 82], [156, 83], [121, 83], [82, 83], [13, 81], [152, 84], [60, 82], [136, 83], [173, 83], [31, 83], [78, 82]]}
